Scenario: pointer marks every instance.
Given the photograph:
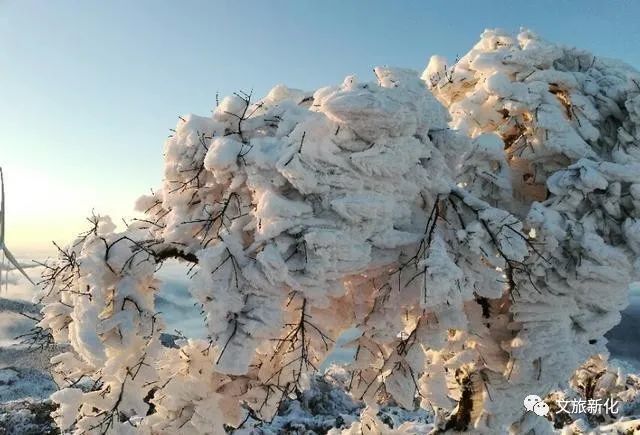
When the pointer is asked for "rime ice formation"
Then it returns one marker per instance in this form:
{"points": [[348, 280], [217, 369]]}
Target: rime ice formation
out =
{"points": [[305, 214], [570, 125]]}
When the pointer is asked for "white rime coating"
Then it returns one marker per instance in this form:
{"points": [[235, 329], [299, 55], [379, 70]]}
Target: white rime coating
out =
{"points": [[475, 274], [571, 134]]}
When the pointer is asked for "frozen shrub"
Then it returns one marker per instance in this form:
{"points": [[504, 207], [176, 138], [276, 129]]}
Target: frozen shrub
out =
{"points": [[480, 263]]}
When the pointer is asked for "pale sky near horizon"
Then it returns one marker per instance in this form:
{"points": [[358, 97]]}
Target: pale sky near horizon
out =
{"points": [[88, 90]]}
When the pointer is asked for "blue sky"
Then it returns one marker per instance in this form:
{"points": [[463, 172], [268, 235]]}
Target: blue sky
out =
{"points": [[88, 90]]}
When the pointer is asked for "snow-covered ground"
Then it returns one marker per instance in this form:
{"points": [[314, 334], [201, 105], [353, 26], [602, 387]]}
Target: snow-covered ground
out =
{"points": [[25, 383]]}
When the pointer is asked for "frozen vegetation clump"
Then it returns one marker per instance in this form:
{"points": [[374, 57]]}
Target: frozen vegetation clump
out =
{"points": [[480, 226], [595, 382]]}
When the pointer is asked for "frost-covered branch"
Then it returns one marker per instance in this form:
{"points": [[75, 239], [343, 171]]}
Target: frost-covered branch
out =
{"points": [[480, 259]]}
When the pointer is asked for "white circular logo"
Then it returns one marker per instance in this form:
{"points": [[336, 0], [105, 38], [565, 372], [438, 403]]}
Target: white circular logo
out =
{"points": [[534, 403], [541, 409], [530, 401]]}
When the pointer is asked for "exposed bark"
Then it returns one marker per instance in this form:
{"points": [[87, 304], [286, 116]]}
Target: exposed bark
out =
{"points": [[167, 253]]}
